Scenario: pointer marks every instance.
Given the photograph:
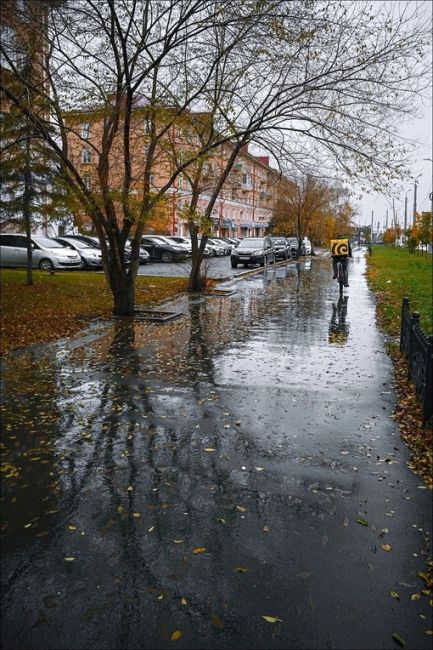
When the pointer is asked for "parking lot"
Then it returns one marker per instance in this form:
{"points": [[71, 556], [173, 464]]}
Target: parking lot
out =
{"points": [[216, 267]]}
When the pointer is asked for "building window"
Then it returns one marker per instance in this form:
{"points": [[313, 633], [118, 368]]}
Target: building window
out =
{"points": [[8, 40], [87, 180], [86, 156], [85, 131], [147, 126]]}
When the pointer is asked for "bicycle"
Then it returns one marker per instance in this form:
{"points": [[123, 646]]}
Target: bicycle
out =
{"points": [[341, 278]]}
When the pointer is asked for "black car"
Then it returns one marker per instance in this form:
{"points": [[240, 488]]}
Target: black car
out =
{"points": [[160, 250], [253, 250], [282, 248]]}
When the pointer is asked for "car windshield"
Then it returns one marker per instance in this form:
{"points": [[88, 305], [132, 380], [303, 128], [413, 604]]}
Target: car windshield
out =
{"points": [[254, 241], [158, 240], [44, 242], [78, 243], [278, 240]]}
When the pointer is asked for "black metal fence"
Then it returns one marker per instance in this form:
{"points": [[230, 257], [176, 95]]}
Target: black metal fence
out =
{"points": [[417, 347]]}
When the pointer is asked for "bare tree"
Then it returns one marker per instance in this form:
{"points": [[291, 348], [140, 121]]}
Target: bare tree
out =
{"points": [[315, 83]]}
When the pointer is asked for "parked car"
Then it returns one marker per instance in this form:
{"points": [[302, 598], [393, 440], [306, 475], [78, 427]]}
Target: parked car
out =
{"points": [[253, 250], [94, 241], [47, 254], [225, 243], [90, 255], [307, 246], [160, 250], [181, 241], [186, 245], [187, 242], [143, 255], [294, 246], [220, 248], [282, 248]]}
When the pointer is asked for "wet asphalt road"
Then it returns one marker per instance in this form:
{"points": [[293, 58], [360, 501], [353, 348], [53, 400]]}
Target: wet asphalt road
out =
{"points": [[169, 485], [214, 267]]}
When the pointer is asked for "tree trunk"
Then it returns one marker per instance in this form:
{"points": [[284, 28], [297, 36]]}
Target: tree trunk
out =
{"points": [[122, 285], [27, 213], [196, 279], [124, 296]]}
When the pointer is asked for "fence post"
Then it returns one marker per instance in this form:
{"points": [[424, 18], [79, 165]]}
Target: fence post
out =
{"points": [[427, 410], [404, 308], [415, 321]]}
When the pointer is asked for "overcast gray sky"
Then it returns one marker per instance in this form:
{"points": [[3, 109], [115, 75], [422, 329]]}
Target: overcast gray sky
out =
{"points": [[419, 131]]}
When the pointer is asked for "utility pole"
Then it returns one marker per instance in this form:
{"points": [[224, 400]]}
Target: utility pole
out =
{"points": [[415, 185], [405, 212], [386, 221], [371, 228]]}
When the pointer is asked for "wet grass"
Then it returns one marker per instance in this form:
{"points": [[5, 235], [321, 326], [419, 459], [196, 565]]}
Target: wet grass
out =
{"points": [[393, 273], [60, 305]]}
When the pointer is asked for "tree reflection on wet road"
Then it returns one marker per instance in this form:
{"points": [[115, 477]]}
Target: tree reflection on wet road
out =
{"points": [[229, 479]]}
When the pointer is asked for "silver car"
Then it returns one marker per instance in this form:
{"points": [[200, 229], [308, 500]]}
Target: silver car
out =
{"points": [[90, 255], [47, 254]]}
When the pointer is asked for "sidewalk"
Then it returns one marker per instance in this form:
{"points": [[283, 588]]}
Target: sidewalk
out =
{"points": [[232, 478]]}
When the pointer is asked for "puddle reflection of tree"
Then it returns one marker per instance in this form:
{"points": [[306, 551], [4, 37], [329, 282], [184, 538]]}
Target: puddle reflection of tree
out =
{"points": [[30, 422], [338, 326]]}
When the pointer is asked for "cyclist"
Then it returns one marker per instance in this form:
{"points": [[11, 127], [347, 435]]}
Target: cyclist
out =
{"points": [[343, 244]]}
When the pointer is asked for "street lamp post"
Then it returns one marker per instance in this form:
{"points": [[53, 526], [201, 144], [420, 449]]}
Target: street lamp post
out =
{"points": [[415, 186]]}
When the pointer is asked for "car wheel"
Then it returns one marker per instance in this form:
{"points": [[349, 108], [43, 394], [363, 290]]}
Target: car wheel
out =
{"points": [[167, 256], [234, 265], [262, 263], [46, 265]]}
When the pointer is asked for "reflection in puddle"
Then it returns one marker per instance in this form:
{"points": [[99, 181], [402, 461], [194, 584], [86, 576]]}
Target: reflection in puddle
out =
{"points": [[339, 326], [126, 453]]}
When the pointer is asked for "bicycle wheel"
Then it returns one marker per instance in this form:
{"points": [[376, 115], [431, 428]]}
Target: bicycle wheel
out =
{"points": [[340, 277]]}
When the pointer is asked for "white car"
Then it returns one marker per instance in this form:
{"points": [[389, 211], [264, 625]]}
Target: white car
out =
{"points": [[47, 254]]}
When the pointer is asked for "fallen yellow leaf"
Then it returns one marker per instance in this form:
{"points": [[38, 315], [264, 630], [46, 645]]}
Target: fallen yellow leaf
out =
{"points": [[199, 549], [241, 508], [69, 559], [178, 541], [209, 449], [176, 635], [136, 514], [386, 547], [272, 619], [394, 594]]}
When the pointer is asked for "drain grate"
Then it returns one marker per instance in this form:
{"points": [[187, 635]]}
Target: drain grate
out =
{"points": [[221, 292], [152, 315]]}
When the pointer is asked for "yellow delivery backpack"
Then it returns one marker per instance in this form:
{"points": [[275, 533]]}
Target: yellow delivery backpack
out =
{"points": [[339, 247]]}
